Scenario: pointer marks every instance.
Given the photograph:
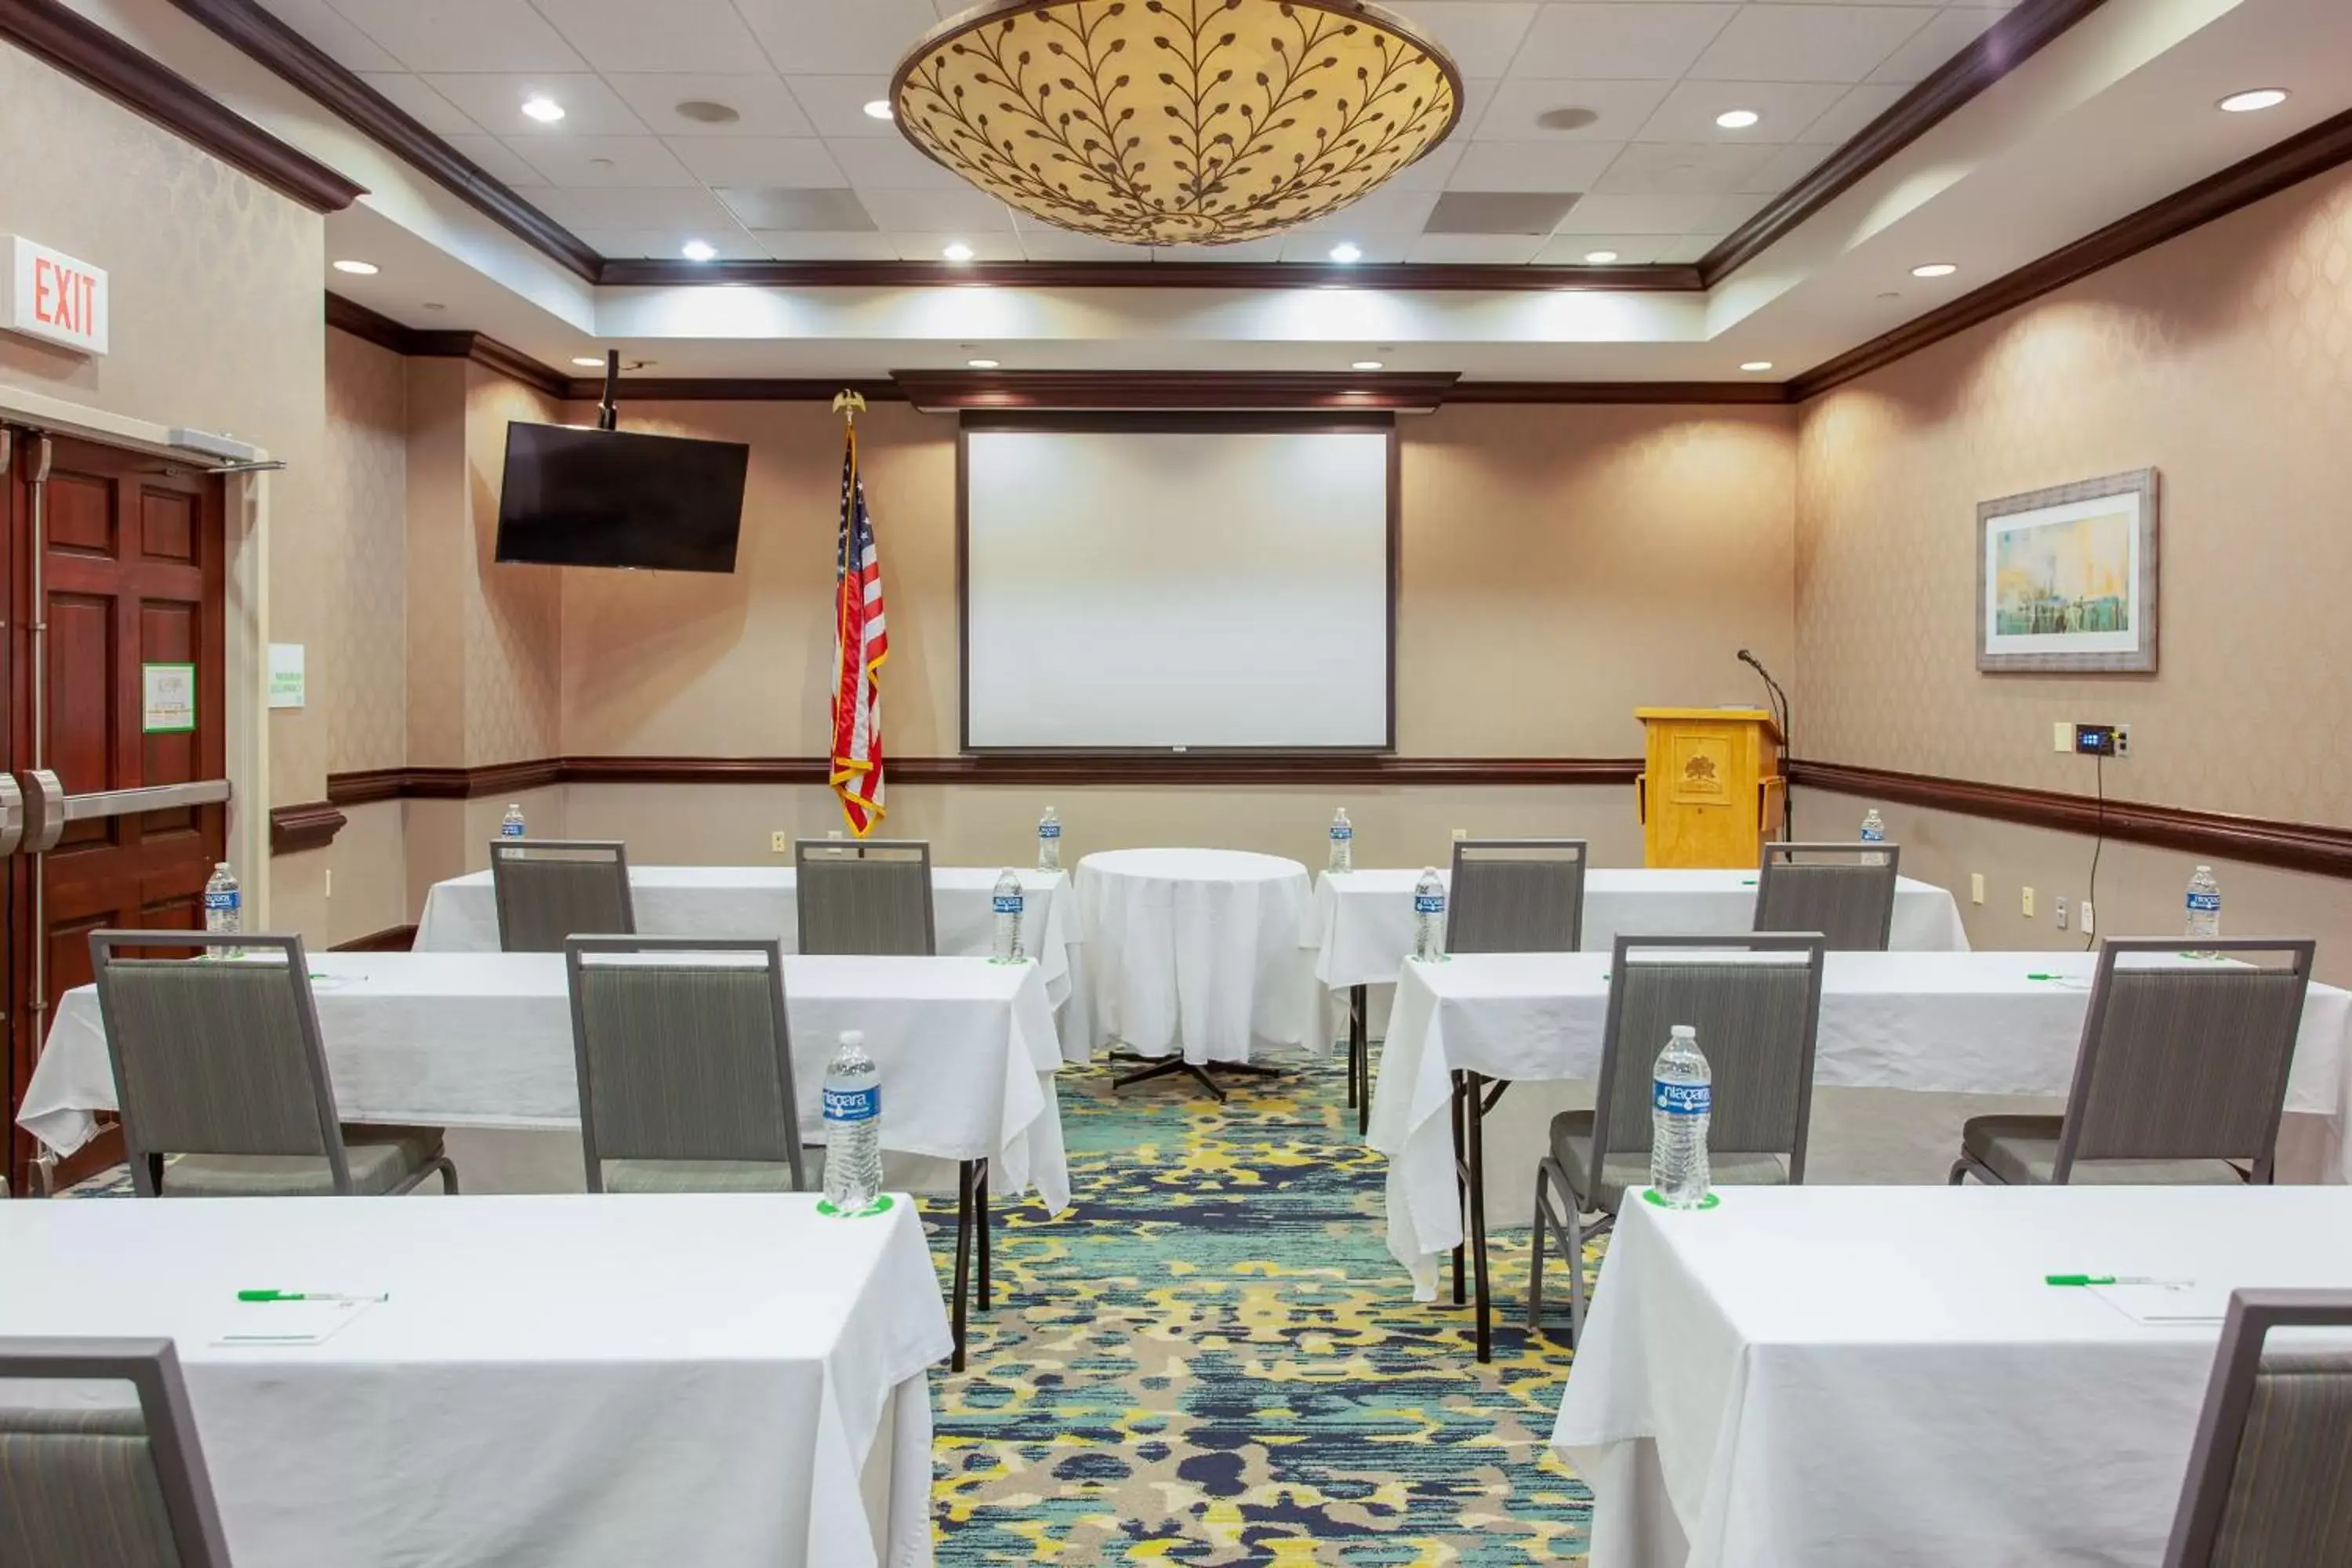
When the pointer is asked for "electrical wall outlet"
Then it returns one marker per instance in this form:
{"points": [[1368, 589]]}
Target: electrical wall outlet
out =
{"points": [[780, 842], [2086, 917], [2122, 739], [2029, 903], [2062, 736], [1460, 834], [1976, 887], [2058, 908]]}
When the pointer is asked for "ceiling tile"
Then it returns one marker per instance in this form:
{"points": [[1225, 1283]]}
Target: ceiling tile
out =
{"points": [[1845, 118], [835, 105], [1386, 210], [325, 26], [1061, 245], [1647, 42], [1946, 34], [416, 97], [1621, 106], [1243, 250], [1808, 43], [766, 105], [463, 34], [1570, 250], [758, 160], [1499, 249], [663, 208], [1531, 165], [926, 245], [1608, 214], [786, 247], [1681, 168], [731, 243], [1689, 249], [1788, 165], [495, 103], [1729, 212], [674, 35], [838, 37], [934, 212], [1318, 246], [578, 160], [498, 162], [771, 210], [1481, 34], [1787, 107], [891, 165]]}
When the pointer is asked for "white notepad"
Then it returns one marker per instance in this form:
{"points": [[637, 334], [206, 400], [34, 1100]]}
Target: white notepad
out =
{"points": [[2167, 1303], [305, 1323]]}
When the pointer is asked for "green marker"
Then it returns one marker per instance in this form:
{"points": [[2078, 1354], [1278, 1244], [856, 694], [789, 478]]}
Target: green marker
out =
{"points": [[2105, 1279], [303, 1296], [2038, 975]]}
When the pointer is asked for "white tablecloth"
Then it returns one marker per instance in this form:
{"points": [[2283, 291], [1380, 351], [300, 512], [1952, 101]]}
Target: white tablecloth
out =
{"points": [[1819, 1377], [966, 1049], [1952, 1023], [1203, 950], [595, 1382], [1363, 920]]}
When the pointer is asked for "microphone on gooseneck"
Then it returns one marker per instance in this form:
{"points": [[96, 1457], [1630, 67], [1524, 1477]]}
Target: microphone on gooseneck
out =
{"points": [[1779, 705]]}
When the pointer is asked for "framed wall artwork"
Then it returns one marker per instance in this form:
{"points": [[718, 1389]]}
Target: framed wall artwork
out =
{"points": [[2066, 577]]}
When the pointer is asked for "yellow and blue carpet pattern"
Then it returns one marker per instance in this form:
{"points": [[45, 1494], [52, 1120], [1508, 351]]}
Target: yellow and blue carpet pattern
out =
{"points": [[1211, 1359]]}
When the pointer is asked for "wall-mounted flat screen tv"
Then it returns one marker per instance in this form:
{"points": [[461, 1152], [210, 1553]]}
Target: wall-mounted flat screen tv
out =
{"points": [[578, 496]]}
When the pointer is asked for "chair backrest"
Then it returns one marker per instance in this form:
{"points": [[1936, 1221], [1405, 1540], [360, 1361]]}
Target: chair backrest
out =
{"points": [[1845, 891], [1516, 895], [2269, 1471], [107, 1488], [1756, 1003], [870, 896], [683, 1051], [2186, 1060], [218, 1057], [551, 888]]}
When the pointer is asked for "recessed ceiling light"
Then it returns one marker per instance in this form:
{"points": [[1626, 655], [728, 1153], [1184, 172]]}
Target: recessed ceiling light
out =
{"points": [[434, 305], [1345, 252], [956, 250], [543, 109], [588, 361], [1569, 119], [358, 268], [1935, 269], [1738, 119], [697, 251], [878, 110], [982, 363], [1601, 258], [708, 111], [1757, 364], [2248, 101], [1365, 365]]}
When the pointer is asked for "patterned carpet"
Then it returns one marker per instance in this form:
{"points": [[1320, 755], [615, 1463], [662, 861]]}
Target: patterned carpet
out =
{"points": [[1211, 1359]]}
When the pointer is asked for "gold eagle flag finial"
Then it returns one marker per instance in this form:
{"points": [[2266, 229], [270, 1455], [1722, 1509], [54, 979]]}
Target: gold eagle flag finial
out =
{"points": [[849, 404]]}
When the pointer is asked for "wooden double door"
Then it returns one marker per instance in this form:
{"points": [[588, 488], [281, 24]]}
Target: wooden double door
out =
{"points": [[116, 572]]}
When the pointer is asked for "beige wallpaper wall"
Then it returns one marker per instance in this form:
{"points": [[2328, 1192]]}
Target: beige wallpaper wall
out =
{"points": [[512, 622], [358, 671]]}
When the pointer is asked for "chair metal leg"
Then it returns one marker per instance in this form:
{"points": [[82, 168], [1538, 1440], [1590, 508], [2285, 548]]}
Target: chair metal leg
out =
{"points": [[1461, 1189], [1959, 1169], [1535, 1254], [1575, 1240], [1360, 1055], [979, 1210], [964, 1258], [449, 1176]]}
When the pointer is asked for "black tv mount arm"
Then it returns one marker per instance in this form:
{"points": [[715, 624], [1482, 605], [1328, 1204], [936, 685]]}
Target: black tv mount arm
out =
{"points": [[607, 417]]}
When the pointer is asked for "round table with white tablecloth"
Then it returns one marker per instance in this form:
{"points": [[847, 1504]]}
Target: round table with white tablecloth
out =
{"points": [[1197, 953]]}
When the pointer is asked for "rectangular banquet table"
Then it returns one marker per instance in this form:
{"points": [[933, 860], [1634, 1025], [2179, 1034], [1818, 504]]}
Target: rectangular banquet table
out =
{"points": [[1953, 1023], [597, 1381], [966, 1049], [1810, 1377]]}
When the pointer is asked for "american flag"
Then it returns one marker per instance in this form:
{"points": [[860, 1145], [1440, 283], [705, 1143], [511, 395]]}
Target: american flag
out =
{"points": [[861, 641]]}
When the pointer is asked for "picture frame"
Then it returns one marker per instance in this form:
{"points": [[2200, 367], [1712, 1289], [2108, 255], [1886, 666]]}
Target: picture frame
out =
{"points": [[2066, 578]]}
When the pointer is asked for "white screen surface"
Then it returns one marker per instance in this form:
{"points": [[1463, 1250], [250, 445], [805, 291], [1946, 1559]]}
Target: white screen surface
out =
{"points": [[1161, 588]]}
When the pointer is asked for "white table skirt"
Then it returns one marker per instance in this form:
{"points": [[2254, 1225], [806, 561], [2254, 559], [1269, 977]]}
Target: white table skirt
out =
{"points": [[1952, 1023], [1363, 920], [966, 1048], [597, 1381], [1818, 1376], [1205, 951]]}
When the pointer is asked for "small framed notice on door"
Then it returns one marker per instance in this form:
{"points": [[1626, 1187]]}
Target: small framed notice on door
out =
{"points": [[168, 704]]}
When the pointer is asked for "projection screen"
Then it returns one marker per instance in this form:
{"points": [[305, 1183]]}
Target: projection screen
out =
{"points": [[1178, 587]]}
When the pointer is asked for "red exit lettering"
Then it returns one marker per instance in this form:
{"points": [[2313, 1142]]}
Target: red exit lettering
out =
{"points": [[63, 297]]}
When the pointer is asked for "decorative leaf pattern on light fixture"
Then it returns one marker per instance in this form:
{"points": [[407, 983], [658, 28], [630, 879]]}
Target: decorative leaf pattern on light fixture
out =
{"points": [[1176, 122]]}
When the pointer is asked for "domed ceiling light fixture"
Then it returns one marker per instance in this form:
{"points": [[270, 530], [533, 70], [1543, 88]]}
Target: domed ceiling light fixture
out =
{"points": [[1176, 122]]}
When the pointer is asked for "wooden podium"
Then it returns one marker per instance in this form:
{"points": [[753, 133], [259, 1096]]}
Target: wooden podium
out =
{"points": [[1710, 792]]}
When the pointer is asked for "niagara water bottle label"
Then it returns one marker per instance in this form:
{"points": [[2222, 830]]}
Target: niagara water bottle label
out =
{"points": [[1680, 1099], [1008, 903], [227, 898], [1049, 830], [852, 1104], [1429, 903], [1341, 830], [2201, 903]]}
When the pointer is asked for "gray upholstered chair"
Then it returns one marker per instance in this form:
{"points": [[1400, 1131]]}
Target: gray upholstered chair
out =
{"points": [[1756, 1002], [872, 896], [1845, 891], [220, 1065], [549, 889], [686, 1065], [112, 1487], [1516, 895], [2269, 1471], [2180, 1078]]}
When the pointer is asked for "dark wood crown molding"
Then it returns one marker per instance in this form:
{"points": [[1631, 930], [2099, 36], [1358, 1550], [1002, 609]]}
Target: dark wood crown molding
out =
{"points": [[350, 316], [309, 825], [98, 59], [633, 272], [942, 390], [1643, 391], [291, 56], [734, 389], [2290, 163], [1997, 51]]}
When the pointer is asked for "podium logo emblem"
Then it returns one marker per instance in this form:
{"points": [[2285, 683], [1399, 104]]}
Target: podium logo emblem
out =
{"points": [[1699, 769]]}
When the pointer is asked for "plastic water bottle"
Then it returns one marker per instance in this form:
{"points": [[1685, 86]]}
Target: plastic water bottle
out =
{"points": [[1429, 916], [510, 825], [1681, 1095], [223, 909], [2204, 907], [1007, 901], [1049, 841], [1343, 843], [1874, 831], [853, 1128]]}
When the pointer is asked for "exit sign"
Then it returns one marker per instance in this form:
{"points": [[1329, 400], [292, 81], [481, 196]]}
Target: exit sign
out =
{"points": [[54, 297]]}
